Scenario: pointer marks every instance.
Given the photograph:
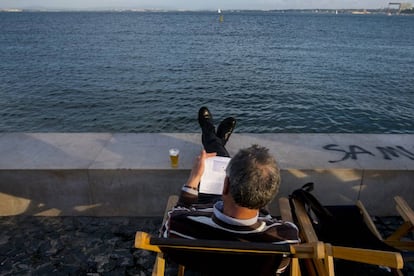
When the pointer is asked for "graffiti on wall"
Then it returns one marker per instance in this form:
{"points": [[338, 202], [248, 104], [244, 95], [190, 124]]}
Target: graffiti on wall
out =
{"points": [[353, 151]]}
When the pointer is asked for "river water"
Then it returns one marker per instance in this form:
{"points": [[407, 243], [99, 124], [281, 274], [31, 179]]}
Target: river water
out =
{"points": [[151, 71]]}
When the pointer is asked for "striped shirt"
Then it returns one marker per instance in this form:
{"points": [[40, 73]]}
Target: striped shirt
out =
{"points": [[207, 221]]}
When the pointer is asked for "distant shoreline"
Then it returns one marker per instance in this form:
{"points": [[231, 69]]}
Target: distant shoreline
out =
{"points": [[315, 11]]}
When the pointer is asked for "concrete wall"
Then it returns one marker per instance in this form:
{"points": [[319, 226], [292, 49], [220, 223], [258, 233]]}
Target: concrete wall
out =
{"points": [[125, 174]]}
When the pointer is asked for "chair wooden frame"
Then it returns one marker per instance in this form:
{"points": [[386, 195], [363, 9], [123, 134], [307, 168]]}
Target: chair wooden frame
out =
{"points": [[159, 265], [396, 239], [300, 251], [146, 241], [325, 266]]}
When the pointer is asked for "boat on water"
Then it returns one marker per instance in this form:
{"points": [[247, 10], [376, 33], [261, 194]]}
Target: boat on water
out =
{"points": [[221, 18], [361, 12]]}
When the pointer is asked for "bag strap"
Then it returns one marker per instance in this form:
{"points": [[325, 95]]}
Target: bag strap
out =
{"points": [[311, 202]]}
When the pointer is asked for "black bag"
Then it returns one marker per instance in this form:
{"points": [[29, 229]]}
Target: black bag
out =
{"points": [[318, 214], [341, 225]]}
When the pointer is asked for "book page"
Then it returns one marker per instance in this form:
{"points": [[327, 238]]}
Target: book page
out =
{"points": [[212, 181]]}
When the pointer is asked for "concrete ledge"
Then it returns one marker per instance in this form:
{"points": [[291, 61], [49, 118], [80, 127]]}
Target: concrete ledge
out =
{"points": [[126, 174]]}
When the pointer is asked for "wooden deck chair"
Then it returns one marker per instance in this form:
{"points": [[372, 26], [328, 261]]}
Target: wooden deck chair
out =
{"points": [[398, 238], [216, 256], [345, 236], [355, 254], [159, 265]]}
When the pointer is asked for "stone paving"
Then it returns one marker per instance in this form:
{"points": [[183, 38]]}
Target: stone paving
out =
{"points": [[74, 245], [32, 245]]}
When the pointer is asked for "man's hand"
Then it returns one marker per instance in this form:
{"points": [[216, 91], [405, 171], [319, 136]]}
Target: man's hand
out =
{"points": [[198, 169]]}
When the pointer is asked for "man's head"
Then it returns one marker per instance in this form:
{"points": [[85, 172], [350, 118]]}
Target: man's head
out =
{"points": [[254, 177]]}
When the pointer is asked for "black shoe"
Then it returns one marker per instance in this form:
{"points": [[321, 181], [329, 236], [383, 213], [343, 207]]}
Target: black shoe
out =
{"points": [[205, 119], [225, 129]]}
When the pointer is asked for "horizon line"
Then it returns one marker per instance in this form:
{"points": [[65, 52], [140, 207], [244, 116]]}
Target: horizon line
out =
{"points": [[184, 10]]}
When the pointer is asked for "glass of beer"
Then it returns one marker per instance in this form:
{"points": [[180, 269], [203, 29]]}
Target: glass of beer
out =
{"points": [[174, 154]]}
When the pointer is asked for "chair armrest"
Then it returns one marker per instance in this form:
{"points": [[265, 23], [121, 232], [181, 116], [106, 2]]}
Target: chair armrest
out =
{"points": [[369, 256], [285, 211], [368, 220], [172, 201], [404, 209], [143, 241], [305, 224]]}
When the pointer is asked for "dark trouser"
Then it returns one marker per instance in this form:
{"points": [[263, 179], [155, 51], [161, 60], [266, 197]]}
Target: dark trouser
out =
{"points": [[212, 143]]}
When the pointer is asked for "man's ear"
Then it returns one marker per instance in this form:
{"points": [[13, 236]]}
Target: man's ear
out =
{"points": [[226, 186]]}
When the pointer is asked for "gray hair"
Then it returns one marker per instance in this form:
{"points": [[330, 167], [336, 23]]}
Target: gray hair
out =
{"points": [[254, 177]]}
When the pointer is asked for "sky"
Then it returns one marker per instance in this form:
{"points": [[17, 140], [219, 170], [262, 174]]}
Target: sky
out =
{"points": [[192, 4]]}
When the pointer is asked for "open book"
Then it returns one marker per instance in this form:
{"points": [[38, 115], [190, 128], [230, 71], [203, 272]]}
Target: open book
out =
{"points": [[212, 180]]}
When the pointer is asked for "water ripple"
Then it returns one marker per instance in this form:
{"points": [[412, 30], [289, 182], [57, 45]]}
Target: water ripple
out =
{"points": [[150, 72]]}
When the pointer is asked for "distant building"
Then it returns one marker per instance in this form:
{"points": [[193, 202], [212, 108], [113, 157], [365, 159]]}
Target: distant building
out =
{"points": [[401, 7]]}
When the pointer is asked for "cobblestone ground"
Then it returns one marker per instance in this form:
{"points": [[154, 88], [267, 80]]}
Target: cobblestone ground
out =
{"points": [[88, 246], [74, 245]]}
